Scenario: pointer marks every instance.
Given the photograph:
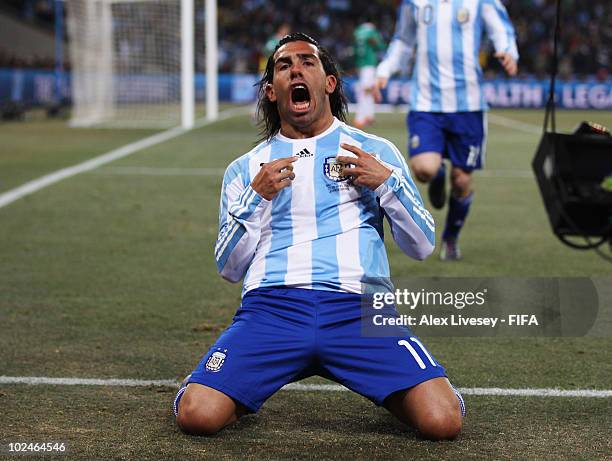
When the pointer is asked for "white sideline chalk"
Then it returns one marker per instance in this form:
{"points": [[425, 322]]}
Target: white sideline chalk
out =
{"points": [[496, 119], [514, 124], [44, 181], [218, 172], [35, 185], [159, 171], [482, 391], [44, 380]]}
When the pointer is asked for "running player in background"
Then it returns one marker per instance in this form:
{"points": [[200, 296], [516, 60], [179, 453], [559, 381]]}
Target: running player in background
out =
{"points": [[302, 221], [447, 107], [368, 43]]}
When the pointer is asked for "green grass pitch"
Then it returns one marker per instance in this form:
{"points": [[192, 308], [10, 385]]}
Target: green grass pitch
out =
{"points": [[110, 274]]}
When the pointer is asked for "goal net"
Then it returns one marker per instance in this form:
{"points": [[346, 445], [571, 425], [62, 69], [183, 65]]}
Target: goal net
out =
{"points": [[126, 61]]}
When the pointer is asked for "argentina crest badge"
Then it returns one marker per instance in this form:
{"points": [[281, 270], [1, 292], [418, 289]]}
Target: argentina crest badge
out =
{"points": [[334, 170], [463, 15], [216, 361]]}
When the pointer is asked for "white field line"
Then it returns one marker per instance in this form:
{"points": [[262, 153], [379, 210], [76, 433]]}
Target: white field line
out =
{"points": [[493, 118], [218, 172], [514, 124], [38, 380], [44, 181], [505, 174], [495, 391], [156, 171], [385, 108]]}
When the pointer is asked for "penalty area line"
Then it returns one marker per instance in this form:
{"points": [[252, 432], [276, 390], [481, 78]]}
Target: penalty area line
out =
{"points": [[480, 391], [496, 119], [514, 124], [218, 172], [35, 185]]}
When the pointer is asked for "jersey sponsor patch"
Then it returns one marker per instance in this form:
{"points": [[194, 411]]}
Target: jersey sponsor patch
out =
{"points": [[215, 361]]}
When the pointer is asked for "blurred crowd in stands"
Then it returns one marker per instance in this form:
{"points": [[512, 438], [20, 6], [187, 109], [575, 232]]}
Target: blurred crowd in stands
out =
{"points": [[246, 25], [33, 10], [14, 61], [586, 36]]}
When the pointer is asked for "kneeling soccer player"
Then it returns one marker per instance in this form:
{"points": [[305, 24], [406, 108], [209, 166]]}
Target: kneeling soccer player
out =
{"points": [[301, 221]]}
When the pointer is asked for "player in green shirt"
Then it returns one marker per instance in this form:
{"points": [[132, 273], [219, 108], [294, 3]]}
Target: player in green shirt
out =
{"points": [[268, 49], [368, 43]]}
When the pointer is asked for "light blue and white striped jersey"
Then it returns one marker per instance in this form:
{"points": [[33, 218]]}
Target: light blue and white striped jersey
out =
{"points": [[322, 232], [446, 34]]}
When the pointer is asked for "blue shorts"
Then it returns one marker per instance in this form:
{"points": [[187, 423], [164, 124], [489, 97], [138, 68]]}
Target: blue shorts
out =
{"points": [[459, 136], [280, 335]]}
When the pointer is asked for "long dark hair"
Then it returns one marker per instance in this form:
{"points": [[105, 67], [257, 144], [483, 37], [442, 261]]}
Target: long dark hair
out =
{"points": [[267, 113]]}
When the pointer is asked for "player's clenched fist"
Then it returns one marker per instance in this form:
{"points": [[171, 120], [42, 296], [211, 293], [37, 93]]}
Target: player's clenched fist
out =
{"points": [[273, 177], [381, 83], [508, 63], [367, 170]]}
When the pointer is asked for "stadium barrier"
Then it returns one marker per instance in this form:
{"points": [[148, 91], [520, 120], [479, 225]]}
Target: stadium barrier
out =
{"points": [[37, 88]]}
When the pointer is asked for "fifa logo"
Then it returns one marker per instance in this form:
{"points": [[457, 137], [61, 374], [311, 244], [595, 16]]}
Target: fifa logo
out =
{"points": [[334, 170]]}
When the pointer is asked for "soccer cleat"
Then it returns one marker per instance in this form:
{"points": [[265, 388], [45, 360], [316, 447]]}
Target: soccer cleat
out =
{"points": [[179, 394], [449, 251], [437, 189]]}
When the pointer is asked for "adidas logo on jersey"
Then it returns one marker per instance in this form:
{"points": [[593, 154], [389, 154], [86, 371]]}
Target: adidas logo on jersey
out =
{"points": [[303, 153]]}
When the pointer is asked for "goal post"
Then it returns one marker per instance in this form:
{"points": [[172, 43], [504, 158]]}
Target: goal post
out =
{"points": [[133, 62], [212, 60], [187, 65]]}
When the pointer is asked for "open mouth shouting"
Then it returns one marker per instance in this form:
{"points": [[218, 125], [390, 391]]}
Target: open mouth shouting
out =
{"points": [[300, 98]]}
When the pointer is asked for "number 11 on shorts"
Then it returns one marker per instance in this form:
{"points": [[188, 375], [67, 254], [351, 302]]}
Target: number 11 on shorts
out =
{"points": [[415, 354]]}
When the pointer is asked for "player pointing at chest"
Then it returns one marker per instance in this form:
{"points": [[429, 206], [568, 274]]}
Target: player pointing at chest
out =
{"points": [[301, 222], [301, 97]]}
